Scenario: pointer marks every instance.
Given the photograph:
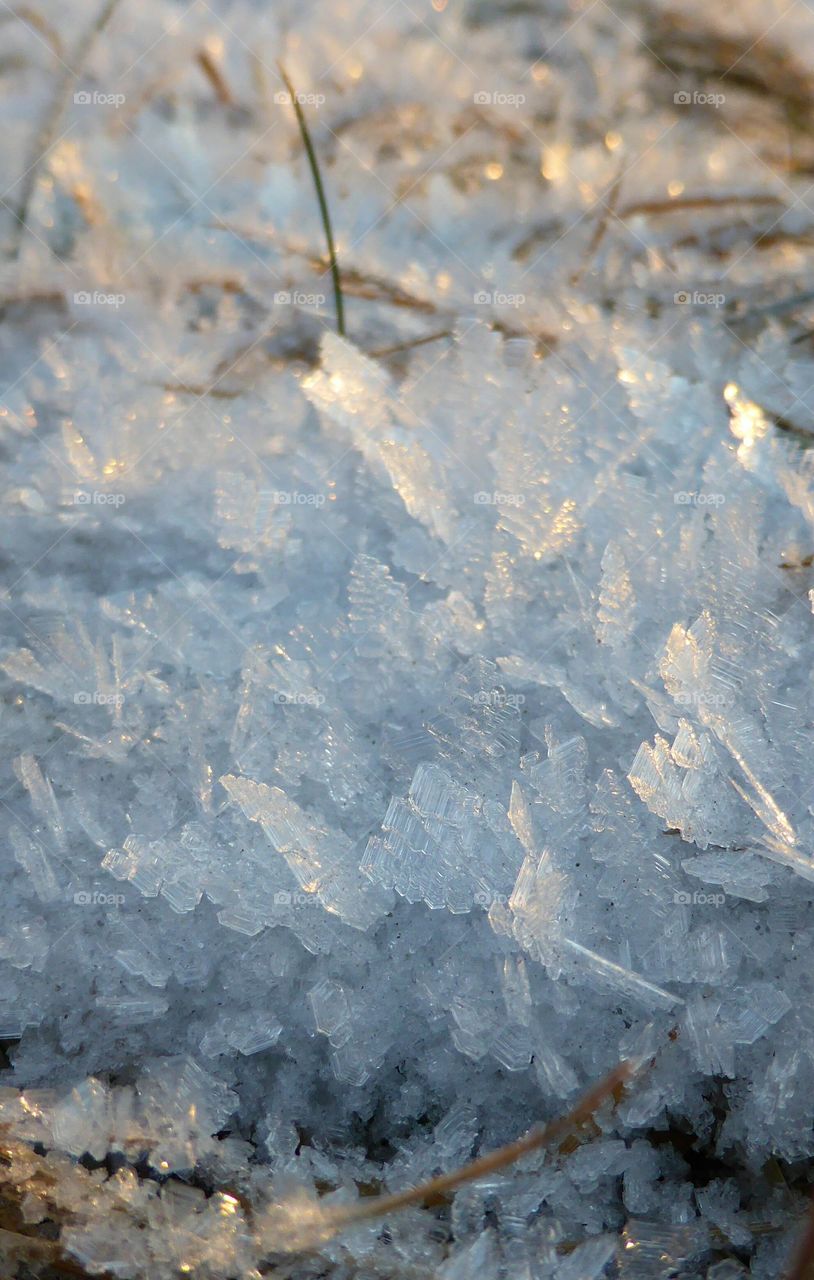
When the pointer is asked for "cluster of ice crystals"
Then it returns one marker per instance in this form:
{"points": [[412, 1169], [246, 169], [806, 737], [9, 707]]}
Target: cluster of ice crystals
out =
{"points": [[403, 728]]}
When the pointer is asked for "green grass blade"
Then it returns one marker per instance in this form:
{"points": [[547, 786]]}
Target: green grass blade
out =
{"points": [[323, 203]]}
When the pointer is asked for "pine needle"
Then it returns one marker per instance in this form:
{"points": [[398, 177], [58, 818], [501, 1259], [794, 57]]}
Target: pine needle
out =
{"points": [[323, 203]]}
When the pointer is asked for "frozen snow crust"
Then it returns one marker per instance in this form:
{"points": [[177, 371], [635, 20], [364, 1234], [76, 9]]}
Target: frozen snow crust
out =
{"points": [[399, 734]]}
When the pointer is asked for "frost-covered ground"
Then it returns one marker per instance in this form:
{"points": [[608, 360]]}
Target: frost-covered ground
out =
{"points": [[399, 732]]}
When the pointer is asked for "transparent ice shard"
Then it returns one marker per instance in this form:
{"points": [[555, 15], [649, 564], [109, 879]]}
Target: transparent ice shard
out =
{"points": [[513, 1047], [250, 1034], [540, 904], [560, 781], [685, 785], [25, 944], [622, 979], [331, 1010], [761, 1006], [324, 862], [800, 861], [181, 896], [479, 1258], [688, 668], [81, 1122], [517, 990], [588, 1260], [554, 1073], [719, 1202], [357, 394], [597, 1160], [545, 519], [711, 1041], [750, 426], [617, 602], [476, 1025], [350, 1066], [133, 1008], [140, 962], [456, 1133], [655, 1250], [433, 846], [43, 801], [434, 794], [583, 693], [31, 856], [140, 861], [741, 874], [520, 817], [242, 919], [480, 718], [249, 517], [379, 610]]}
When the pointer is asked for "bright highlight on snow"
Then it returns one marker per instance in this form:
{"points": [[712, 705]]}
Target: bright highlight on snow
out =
{"points": [[404, 729]]}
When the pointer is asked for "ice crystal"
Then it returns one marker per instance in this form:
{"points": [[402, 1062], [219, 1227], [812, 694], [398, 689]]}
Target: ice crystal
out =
{"points": [[404, 729]]}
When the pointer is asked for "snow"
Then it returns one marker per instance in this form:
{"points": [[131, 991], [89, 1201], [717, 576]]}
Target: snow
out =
{"points": [[404, 728]]}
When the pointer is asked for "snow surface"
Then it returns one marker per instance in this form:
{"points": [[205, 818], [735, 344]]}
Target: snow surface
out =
{"points": [[401, 731]]}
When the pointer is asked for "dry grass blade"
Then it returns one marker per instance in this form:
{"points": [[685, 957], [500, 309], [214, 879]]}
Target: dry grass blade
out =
{"points": [[37, 23], [323, 203], [652, 208], [608, 212], [47, 133], [409, 344], [681, 42], [802, 1264], [609, 1088], [215, 77]]}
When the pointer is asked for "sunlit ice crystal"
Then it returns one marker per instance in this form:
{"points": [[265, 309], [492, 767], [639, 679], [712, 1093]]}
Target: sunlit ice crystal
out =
{"points": [[405, 726]]}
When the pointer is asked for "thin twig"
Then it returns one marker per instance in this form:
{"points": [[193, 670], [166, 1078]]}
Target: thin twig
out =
{"points": [[323, 203]]}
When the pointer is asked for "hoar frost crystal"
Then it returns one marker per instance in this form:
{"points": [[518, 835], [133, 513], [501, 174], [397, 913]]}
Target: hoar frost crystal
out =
{"points": [[402, 731]]}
